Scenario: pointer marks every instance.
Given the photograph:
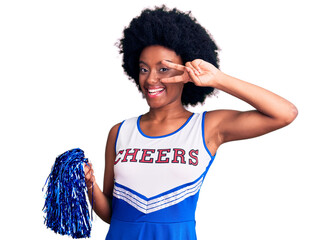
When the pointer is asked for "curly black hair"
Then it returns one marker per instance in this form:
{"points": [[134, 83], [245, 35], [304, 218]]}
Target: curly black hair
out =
{"points": [[176, 30]]}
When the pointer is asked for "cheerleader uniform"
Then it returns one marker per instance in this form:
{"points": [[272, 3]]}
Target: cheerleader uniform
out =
{"points": [[157, 181]]}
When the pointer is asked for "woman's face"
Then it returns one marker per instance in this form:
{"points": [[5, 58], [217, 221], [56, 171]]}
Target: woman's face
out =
{"points": [[152, 70]]}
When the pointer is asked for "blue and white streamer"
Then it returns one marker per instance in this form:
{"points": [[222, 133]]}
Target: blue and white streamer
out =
{"points": [[66, 207]]}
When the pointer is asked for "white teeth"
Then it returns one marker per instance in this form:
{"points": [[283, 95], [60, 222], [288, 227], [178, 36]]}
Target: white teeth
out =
{"points": [[155, 90]]}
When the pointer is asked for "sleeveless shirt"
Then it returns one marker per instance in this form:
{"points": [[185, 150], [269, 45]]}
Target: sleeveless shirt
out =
{"points": [[157, 181]]}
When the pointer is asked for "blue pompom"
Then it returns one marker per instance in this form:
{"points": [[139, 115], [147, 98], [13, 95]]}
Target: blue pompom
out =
{"points": [[66, 207]]}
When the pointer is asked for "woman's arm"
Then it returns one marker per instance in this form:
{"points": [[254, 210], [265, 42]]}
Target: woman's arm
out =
{"points": [[102, 199], [272, 111]]}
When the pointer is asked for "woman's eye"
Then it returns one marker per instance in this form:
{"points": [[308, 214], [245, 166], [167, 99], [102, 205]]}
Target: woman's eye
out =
{"points": [[143, 70], [164, 69]]}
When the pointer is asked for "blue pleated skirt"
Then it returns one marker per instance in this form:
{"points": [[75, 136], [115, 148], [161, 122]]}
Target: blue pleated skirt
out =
{"points": [[120, 230]]}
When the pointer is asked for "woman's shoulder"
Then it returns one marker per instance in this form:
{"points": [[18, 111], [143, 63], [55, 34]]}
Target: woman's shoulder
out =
{"points": [[113, 131], [115, 127]]}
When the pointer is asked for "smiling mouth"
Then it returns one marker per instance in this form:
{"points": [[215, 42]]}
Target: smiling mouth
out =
{"points": [[155, 92]]}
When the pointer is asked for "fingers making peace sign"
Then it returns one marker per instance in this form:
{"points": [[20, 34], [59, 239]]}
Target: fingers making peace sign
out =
{"points": [[200, 72]]}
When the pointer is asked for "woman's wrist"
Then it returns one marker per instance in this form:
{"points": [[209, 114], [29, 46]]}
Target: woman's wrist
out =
{"points": [[219, 80], [90, 183]]}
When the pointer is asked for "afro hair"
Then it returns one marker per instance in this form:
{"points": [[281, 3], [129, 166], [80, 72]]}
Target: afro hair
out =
{"points": [[176, 30]]}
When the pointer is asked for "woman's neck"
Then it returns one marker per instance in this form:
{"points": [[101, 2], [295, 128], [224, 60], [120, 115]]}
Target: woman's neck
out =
{"points": [[168, 112]]}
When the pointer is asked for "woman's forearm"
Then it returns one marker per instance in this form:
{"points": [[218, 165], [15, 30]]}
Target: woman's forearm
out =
{"points": [[101, 203]]}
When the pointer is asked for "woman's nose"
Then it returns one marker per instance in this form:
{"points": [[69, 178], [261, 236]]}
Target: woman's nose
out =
{"points": [[153, 77]]}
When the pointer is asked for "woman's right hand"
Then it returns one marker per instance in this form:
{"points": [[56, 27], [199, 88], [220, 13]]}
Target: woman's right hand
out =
{"points": [[89, 176]]}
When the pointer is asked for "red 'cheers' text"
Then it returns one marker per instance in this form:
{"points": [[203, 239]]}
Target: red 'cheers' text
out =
{"points": [[168, 155]]}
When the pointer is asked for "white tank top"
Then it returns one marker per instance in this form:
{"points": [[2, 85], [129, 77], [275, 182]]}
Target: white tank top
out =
{"points": [[151, 166]]}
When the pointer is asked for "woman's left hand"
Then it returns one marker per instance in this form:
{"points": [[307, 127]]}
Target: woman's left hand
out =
{"points": [[200, 72]]}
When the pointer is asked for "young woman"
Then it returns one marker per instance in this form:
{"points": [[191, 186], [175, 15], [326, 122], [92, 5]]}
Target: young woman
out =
{"points": [[156, 163]]}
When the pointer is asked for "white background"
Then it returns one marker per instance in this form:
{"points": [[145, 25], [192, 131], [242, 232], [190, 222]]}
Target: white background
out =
{"points": [[62, 86]]}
